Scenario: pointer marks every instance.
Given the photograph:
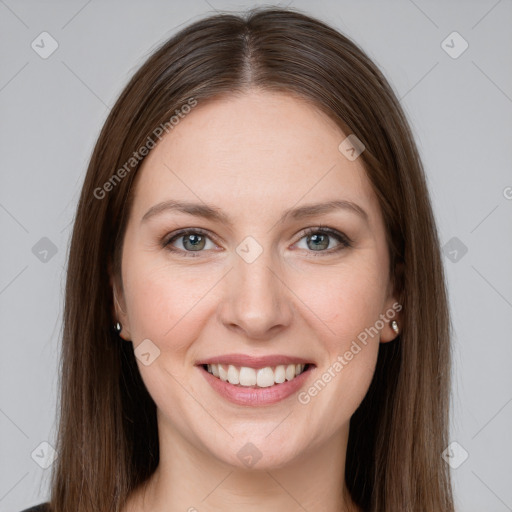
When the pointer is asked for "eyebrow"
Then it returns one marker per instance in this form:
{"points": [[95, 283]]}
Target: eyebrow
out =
{"points": [[216, 214]]}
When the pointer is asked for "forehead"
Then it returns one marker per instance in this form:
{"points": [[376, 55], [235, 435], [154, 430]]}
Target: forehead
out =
{"points": [[250, 153]]}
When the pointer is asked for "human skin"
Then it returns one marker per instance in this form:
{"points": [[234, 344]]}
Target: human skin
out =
{"points": [[252, 156]]}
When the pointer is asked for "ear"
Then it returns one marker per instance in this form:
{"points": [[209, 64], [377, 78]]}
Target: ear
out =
{"points": [[390, 313], [119, 307], [392, 307]]}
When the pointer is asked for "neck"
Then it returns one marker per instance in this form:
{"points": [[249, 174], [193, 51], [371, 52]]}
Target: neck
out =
{"points": [[188, 479]]}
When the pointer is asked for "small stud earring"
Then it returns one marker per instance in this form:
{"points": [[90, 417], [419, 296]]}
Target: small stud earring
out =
{"points": [[394, 326], [118, 327]]}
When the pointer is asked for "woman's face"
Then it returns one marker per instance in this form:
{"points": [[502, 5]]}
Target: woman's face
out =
{"points": [[248, 286]]}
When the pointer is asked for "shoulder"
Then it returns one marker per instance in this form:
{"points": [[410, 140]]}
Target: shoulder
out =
{"points": [[43, 507]]}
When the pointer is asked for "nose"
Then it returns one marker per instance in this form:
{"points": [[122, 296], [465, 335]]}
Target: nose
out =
{"points": [[256, 303]]}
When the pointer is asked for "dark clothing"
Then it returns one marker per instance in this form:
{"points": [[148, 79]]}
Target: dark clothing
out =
{"points": [[43, 507]]}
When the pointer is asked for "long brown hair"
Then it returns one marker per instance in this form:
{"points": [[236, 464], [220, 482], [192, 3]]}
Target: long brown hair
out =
{"points": [[107, 437]]}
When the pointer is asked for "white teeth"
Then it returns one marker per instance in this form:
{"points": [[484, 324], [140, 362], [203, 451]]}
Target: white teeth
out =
{"points": [[247, 376], [290, 372], [280, 374], [223, 374], [265, 377], [262, 377], [233, 375]]}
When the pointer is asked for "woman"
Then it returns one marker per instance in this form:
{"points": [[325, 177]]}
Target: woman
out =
{"points": [[256, 315]]}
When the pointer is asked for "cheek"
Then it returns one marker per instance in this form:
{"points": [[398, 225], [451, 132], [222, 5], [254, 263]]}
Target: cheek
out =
{"points": [[164, 303], [167, 306], [345, 300], [336, 391]]}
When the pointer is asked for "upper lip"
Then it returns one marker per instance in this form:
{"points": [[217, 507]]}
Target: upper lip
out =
{"points": [[254, 361]]}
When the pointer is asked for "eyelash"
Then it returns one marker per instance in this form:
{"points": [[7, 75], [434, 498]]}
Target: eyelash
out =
{"points": [[345, 241]]}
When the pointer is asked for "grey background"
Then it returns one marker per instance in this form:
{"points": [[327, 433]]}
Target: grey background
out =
{"points": [[460, 109]]}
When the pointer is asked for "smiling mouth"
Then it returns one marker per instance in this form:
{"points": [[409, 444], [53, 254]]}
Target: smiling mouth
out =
{"points": [[245, 376]]}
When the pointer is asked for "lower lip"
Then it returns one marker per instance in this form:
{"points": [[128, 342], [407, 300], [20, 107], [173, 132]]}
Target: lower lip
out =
{"points": [[255, 396]]}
